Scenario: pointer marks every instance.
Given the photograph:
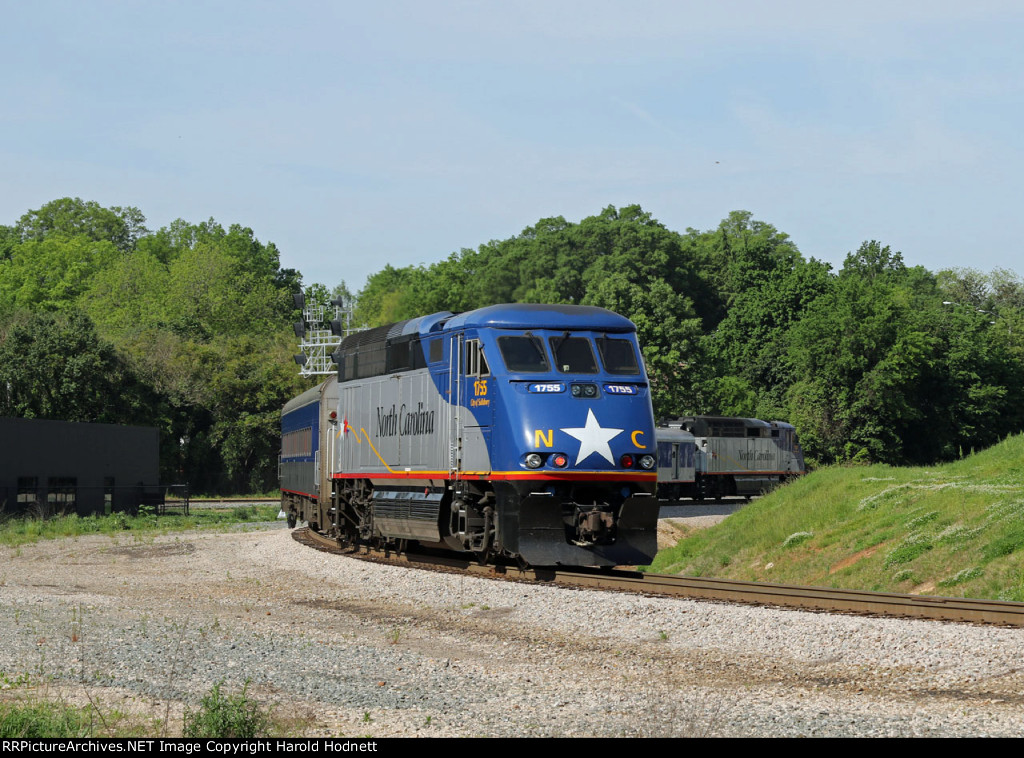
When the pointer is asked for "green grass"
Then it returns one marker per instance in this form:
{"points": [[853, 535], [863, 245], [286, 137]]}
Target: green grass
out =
{"points": [[38, 720], [954, 529], [271, 495], [19, 531], [28, 713]]}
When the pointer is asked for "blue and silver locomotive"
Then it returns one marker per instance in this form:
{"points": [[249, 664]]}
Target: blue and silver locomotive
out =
{"points": [[717, 456], [523, 431]]}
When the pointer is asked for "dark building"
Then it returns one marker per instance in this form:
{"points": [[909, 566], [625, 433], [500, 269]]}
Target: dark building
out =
{"points": [[50, 467]]}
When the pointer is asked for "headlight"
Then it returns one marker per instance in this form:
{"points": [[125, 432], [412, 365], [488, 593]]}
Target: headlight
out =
{"points": [[647, 461], [533, 460]]}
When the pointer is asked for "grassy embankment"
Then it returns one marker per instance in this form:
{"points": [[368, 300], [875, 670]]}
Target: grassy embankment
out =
{"points": [[955, 529]]}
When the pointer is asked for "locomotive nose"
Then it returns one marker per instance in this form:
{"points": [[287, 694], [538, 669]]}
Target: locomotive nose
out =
{"points": [[563, 434]]}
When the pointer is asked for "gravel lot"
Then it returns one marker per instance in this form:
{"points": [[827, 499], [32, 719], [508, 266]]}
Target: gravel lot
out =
{"points": [[346, 648]]}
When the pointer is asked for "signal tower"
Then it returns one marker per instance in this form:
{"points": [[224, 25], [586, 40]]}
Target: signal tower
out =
{"points": [[320, 333]]}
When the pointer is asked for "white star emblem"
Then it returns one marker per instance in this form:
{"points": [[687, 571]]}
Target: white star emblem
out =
{"points": [[593, 438]]}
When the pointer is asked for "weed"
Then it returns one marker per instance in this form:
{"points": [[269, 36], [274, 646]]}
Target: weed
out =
{"points": [[77, 617], [920, 521], [227, 716], [796, 538], [1010, 541], [961, 576], [19, 680], [958, 535], [908, 550], [245, 513]]}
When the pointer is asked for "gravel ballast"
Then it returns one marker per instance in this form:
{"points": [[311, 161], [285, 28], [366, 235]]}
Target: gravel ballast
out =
{"points": [[341, 647]]}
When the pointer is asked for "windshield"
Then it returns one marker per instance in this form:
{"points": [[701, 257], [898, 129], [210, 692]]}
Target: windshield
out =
{"points": [[573, 355], [618, 356], [523, 354]]}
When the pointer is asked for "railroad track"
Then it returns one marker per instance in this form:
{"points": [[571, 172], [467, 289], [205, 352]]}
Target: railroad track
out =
{"points": [[822, 599]]}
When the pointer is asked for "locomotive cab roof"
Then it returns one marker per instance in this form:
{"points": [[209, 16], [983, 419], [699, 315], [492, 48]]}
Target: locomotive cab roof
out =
{"points": [[534, 316], [720, 426], [395, 347]]}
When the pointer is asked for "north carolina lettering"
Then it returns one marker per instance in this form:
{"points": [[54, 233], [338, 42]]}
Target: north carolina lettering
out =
{"points": [[404, 422], [387, 423]]}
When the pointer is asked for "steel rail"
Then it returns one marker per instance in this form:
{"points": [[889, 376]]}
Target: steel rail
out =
{"points": [[822, 599]]}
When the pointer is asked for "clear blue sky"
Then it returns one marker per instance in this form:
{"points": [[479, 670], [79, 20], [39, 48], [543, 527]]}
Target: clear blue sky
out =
{"points": [[358, 134]]}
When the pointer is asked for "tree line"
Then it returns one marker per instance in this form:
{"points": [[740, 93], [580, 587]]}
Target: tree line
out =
{"points": [[188, 328], [875, 362], [184, 328]]}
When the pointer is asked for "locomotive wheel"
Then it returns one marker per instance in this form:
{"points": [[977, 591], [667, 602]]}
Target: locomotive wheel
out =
{"points": [[292, 521]]}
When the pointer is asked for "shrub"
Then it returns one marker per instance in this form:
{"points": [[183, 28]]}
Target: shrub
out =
{"points": [[227, 716]]}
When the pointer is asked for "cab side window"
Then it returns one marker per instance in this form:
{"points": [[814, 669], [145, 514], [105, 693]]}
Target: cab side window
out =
{"points": [[476, 362]]}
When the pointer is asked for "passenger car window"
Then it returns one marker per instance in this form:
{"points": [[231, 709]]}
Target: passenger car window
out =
{"points": [[573, 355], [618, 356], [524, 354]]}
